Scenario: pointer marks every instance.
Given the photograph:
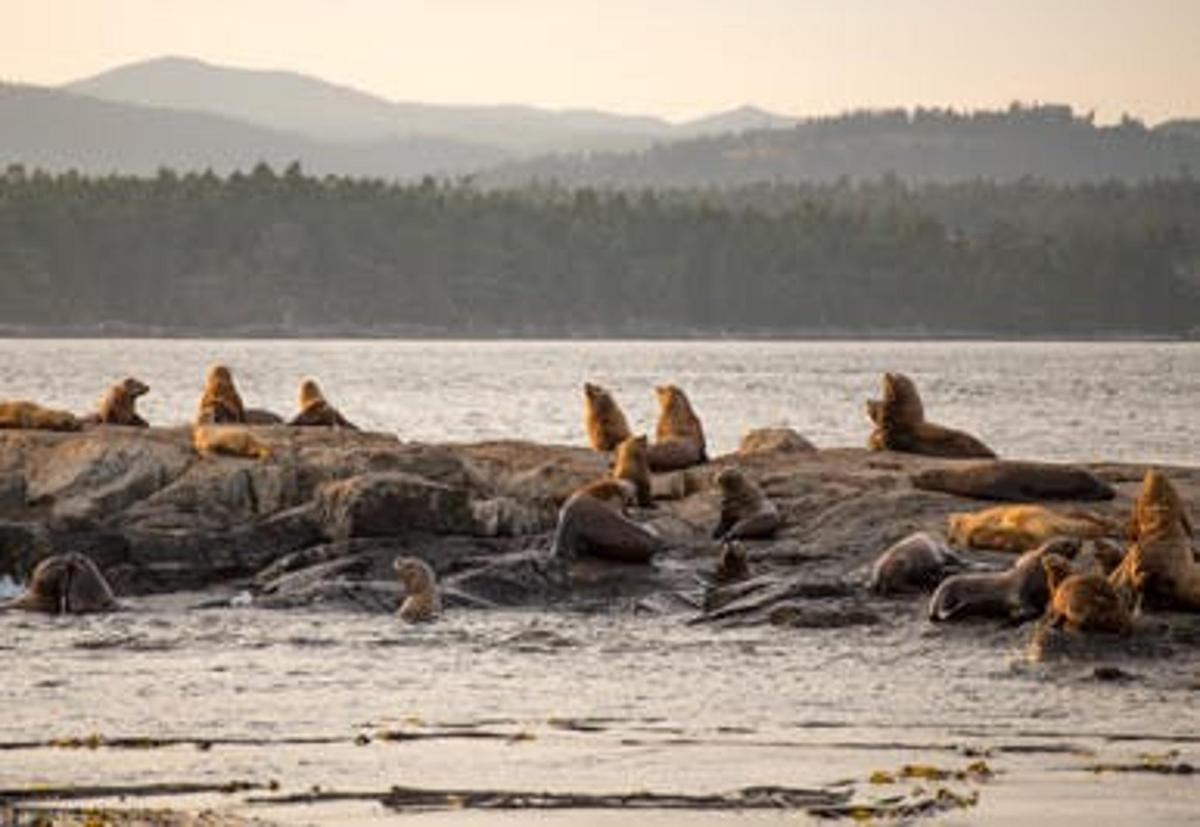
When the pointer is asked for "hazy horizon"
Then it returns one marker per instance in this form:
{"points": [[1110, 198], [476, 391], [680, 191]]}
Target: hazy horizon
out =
{"points": [[674, 59]]}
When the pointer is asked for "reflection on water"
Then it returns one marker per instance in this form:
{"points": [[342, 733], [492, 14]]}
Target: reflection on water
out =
{"points": [[1078, 401]]}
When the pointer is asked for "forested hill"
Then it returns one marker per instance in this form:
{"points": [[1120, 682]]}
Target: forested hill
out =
{"points": [[1051, 143], [285, 253]]}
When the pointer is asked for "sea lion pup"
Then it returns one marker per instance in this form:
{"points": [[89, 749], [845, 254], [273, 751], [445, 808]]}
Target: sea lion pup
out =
{"points": [[1015, 481], [316, 411], [423, 603], [65, 584], [633, 464], [732, 567], [118, 406], [31, 416], [900, 425], [1018, 528], [228, 440], [1160, 566], [746, 512], [1018, 594], [590, 522], [917, 563], [602, 418], [220, 402], [1083, 602], [679, 437]]}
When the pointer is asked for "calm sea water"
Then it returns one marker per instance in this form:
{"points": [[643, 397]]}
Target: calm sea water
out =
{"points": [[1137, 402], [610, 704]]}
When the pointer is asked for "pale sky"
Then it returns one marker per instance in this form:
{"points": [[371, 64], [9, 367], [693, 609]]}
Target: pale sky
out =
{"points": [[675, 58]]}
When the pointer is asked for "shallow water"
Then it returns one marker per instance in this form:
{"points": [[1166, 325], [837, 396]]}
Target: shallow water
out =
{"points": [[1070, 401], [582, 703]]}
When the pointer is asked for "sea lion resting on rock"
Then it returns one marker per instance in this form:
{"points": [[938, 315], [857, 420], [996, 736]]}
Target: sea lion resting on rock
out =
{"points": [[220, 402], [1016, 481], [1084, 602], [900, 425], [746, 512], [231, 441], [679, 436], [65, 584], [31, 416], [917, 563], [602, 418], [118, 406], [316, 411], [423, 603], [633, 464], [1019, 594], [588, 524], [1018, 528], [1160, 566]]}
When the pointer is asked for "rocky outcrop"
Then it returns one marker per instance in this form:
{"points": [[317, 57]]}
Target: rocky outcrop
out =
{"points": [[320, 521]]}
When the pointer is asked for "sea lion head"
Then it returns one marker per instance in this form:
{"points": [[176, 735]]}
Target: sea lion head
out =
{"points": [[593, 391], [1159, 507], [1057, 569], [901, 402], [632, 449], [730, 480], [415, 574], [133, 388], [310, 393], [669, 396]]}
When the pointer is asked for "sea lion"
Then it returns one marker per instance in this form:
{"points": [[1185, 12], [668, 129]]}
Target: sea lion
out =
{"points": [[220, 402], [732, 568], [591, 525], [65, 584], [633, 464], [679, 436], [1018, 594], [900, 425], [422, 603], [232, 441], [118, 406], [602, 418], [30, 416], [1160, 566], [774, 440], [746, 512], [316, 411], [1014, 481], [1018, 528], [1083, 602], [917, 563], [617, 494]]}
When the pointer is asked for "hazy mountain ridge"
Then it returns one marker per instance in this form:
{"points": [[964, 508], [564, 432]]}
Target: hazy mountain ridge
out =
{"points": [[58, 130]]}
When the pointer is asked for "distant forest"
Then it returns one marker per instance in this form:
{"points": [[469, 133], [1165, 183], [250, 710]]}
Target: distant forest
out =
{"points": [[280, 252]]}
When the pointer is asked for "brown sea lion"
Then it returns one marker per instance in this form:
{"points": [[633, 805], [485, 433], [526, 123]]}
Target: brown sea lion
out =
{"points": [[774, 440], [917, 563], [732, 568], [1018, 528], [220, 403], [232, 441], [900, 425], [1018, 594], [633, 464], [422, 603], [602, 418], [1083, 602], [746, 512], [118, 406], [30, 416], [1014, 481], [315, 410], [65, 584], [592, 526], [618, 494], [679, 436], [1160, 566]]}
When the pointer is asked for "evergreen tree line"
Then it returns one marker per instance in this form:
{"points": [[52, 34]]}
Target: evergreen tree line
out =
{"points": [[268, 252]]}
